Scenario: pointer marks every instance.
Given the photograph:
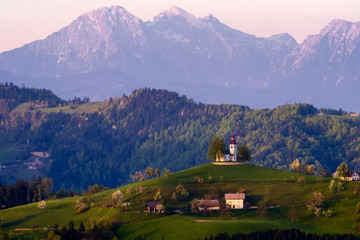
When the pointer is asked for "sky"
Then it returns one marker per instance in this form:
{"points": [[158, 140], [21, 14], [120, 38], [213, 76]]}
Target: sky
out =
{"points": [[23, 21]]}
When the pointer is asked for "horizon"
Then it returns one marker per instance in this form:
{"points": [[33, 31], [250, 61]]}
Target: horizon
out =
{"points": [[261, 18]]}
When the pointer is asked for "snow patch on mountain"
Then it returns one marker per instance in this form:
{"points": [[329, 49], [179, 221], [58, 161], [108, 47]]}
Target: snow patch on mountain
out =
{"points": [[176, 14]]}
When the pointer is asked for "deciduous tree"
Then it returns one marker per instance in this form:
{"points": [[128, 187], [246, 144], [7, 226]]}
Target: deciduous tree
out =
{"points": [[244, 154], [216, 149], [343, 170]]}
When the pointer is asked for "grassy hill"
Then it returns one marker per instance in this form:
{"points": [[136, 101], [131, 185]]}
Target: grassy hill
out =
{"points": [[281, 188]]}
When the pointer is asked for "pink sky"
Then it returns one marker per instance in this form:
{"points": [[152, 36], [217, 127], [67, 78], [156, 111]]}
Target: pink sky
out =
{"points": [[23, 21]]}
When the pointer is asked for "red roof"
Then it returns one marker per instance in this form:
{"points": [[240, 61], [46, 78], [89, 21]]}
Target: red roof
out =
{"points": [[234, 196], [209, 203], [232, 140]]}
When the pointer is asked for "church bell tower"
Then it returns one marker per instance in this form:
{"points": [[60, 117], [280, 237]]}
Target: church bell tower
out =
{"points": [[233, 149]]}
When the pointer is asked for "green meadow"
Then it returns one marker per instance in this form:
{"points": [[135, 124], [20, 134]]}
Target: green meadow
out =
{"points": [[280, 188]]}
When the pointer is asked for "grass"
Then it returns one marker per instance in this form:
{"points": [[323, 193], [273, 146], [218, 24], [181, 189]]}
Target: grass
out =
{"points": [[280, 187], [72, 109], [184, 227], [77, 108]]}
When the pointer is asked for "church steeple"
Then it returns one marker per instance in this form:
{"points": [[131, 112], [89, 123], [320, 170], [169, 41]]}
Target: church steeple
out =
{"points": [[232, 139], [233, 149]]}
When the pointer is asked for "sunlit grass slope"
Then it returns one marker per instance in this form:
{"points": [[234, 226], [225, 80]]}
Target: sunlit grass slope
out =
{"points": [[279, 187]]}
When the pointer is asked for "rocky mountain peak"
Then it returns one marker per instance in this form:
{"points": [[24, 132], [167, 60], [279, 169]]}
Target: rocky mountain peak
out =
{"points": [[284, 39], [178, 15], [175, 11]]}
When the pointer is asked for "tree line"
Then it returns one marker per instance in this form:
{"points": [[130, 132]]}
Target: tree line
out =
{"points": [[24, 192]]}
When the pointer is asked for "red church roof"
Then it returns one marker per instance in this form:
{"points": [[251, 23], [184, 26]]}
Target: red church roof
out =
{"points": [[232, 140]]}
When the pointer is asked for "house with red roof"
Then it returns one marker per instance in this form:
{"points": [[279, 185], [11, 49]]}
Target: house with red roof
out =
{"points": [[235, 200]]}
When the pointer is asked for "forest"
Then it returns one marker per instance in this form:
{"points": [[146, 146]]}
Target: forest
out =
{"points": [[161, 129]]}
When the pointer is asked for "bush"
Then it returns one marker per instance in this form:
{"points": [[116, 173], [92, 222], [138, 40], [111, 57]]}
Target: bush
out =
{"points": [[42, 204]]}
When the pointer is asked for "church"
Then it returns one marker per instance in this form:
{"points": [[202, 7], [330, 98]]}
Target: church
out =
{"points": [[231, 154]]}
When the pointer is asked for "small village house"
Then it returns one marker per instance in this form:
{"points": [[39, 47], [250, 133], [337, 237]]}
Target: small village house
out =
{"points": [[152, 207], [208, 205], [355, 176], [235, 200]]}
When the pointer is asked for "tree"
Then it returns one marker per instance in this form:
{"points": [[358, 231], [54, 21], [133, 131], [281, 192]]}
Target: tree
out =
{"points": [[216, 149], [160, 208], [167, 172], [263, 208], [52, 236], [157, 172], [343, 171], [244, 154], [39, 188], [295, 165], [158, 196], [173, 196], [42, 204], [181, 192], [293, 214], [309, 169], [47, 187], [301, 181], [95, 233], [195, 206], [340, 187], [117, 196], [316, 202], [332, 186], [138, 176], [81, 229], [140, 190], [150, 172]]}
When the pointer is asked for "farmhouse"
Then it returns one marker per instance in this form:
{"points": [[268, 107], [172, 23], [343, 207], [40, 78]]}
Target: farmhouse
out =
{"points": [[208, 205], [355, 176], [235, 200], [152, 207], [231, 155]]}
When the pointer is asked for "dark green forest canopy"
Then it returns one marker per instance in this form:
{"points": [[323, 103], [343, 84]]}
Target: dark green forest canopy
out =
{"points": [[161, 129]]}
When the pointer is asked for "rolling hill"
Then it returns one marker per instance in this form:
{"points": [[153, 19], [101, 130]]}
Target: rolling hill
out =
{"points": [[280, 188]]}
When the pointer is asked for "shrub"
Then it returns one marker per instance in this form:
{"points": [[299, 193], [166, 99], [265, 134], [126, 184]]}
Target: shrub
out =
{"points": [[301, 181], [42, 204], [140, 190], [332, 186]]}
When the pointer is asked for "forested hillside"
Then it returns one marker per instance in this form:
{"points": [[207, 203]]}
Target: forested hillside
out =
{"points": [[161, 129]]}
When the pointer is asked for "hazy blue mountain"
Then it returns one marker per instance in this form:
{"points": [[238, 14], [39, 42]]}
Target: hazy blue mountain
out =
{"points": [[325, 68], [200, 57]]}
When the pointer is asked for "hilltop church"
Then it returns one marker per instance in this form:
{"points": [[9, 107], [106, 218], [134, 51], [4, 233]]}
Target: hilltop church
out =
{"points": [[231, 154]]}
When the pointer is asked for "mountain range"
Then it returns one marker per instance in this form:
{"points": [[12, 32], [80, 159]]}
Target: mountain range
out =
{"points": [[109, 51]]}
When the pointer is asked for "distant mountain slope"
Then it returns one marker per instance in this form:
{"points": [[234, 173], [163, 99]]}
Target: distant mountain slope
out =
{"points": [[106, 142], [326, 66], [200, 57], [176, 51]]}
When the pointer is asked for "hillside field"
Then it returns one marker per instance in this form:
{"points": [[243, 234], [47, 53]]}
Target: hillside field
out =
{"points": [[278, 187]]}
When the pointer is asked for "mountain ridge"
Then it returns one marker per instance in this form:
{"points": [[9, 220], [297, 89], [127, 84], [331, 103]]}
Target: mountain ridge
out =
{"points": [[177, 50]]}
